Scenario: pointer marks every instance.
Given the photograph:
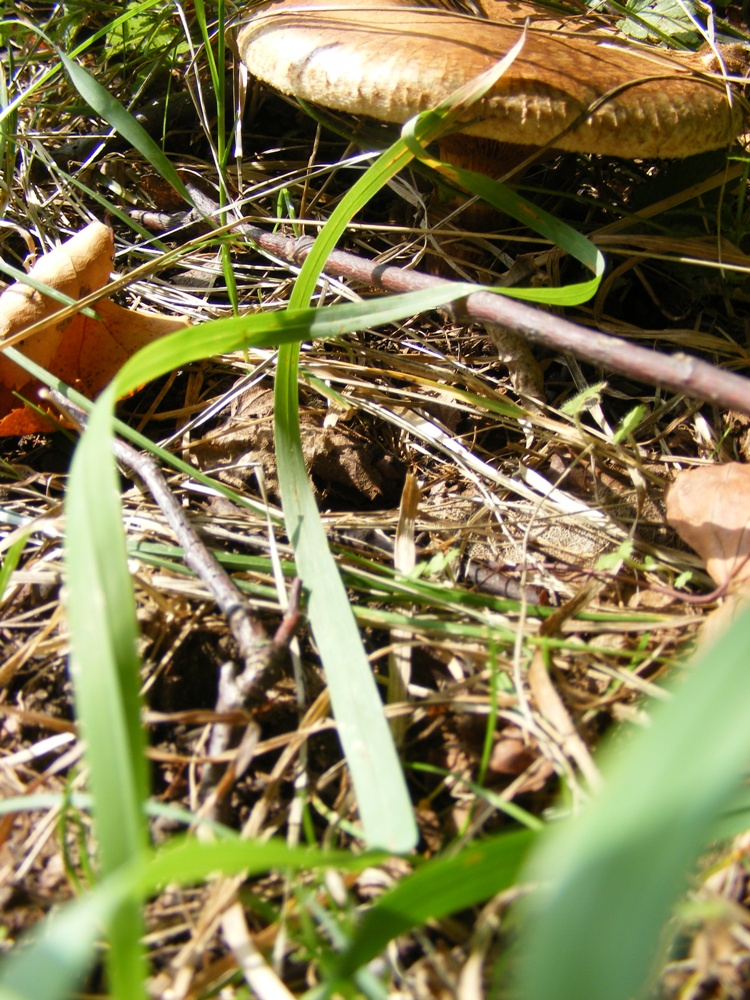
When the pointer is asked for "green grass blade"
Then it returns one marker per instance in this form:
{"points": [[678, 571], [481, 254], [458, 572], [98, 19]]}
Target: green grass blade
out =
{"points": [[366, 739], [105, 673], [559, 233], [269, 329], [273, 329], [10, 561], [382, 796], [101, 615], [57, 955], [188, 861], [509, 202], [615, 872], [115, 114], [421, 130], [439, 888]]}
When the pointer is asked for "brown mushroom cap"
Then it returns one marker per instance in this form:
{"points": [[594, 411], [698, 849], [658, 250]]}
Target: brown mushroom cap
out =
{"points": [[389, 60]]}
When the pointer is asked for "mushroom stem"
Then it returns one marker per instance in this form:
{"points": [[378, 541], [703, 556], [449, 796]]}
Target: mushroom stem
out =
{"points": [[497, 160]]}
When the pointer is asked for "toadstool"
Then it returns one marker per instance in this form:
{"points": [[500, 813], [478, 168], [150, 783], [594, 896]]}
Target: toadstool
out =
{"points": [[581, 92], [573, 86]]}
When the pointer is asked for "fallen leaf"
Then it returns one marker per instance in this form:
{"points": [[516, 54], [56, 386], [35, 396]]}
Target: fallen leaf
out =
{"points": [[710, 510], [81, 351]]}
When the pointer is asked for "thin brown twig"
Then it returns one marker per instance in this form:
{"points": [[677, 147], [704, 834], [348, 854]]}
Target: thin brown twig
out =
{"points": [[257, 649], [678, 372], [260, 654]]}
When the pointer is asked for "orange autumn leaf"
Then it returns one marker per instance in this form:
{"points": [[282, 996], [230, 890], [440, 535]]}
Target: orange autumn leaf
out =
{"points": [[81, 351], [710, 510]]}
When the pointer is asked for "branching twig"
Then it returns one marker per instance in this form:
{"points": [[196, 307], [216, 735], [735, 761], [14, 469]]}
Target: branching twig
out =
{"points": [[259, 653]]}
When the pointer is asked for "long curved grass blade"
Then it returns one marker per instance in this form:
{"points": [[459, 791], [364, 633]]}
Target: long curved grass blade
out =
{"points": [[614, 873], [417, 132], [379, 785], [366, 739], [290, 326], [509, 202], [559, 233]]}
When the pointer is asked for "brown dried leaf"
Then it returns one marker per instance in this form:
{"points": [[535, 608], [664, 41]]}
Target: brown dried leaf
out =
{"points": [[84, 352], [710, 510]]}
